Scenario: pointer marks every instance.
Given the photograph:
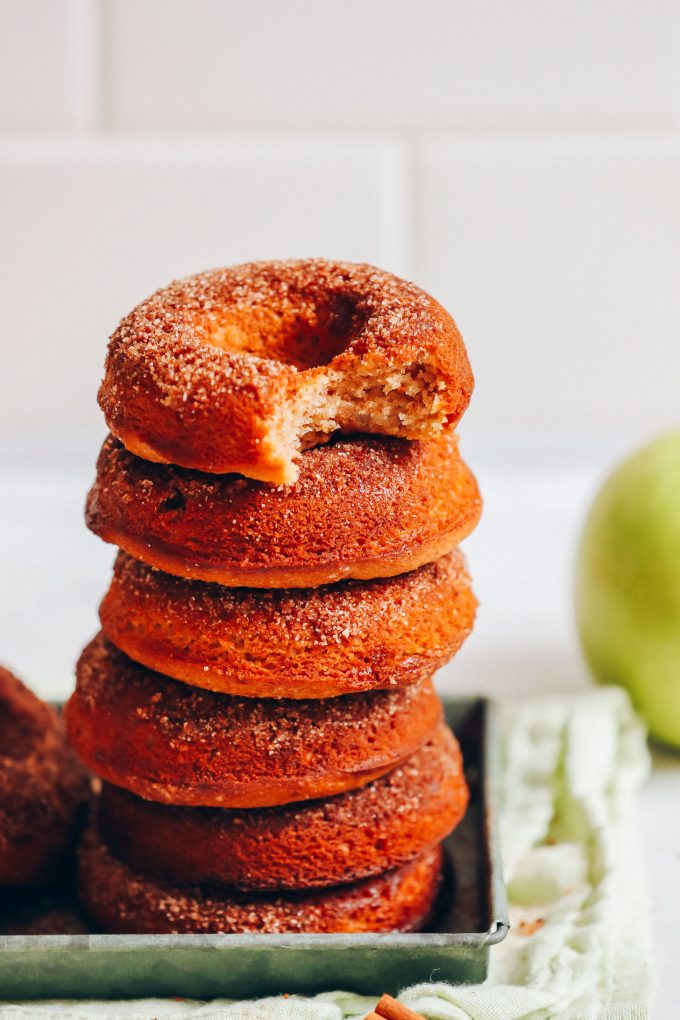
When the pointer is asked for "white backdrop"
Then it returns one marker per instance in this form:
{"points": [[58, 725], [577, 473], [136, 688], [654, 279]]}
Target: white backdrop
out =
{"points": [[520, 159]]}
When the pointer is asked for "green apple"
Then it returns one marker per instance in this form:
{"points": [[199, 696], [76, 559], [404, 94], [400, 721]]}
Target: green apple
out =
{"points": [[628, 584]]}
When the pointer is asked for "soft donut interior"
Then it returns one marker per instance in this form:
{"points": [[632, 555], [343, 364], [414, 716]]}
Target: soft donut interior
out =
{"points": [[405, 402], [401, 402]]}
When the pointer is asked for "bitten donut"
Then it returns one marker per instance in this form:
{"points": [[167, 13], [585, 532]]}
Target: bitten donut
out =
{"points": [[42, 787], [122, 900], [291, 643], [315, 843], [237, 370], [176, 744], [361, 508]]}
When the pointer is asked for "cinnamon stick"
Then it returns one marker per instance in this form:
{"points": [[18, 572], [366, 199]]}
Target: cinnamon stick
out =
{"points": [[389, 1009]]}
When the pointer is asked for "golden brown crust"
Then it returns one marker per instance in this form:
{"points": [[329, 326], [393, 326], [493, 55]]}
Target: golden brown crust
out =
{"points": [[203, 372], [315, 843], [298, 643], [361, 508], [122, 900], [42, 786], [165, 741]]}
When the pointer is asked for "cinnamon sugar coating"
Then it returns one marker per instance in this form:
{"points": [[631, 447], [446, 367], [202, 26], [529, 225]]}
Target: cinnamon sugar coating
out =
{"points": [[237, 369], [314, 843], [361, 508], [291, 643], [169, 742], [122, 900], [43, 787]]}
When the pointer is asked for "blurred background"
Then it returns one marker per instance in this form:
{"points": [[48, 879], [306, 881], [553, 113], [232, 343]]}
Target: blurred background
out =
{"points": [[520, 160]]}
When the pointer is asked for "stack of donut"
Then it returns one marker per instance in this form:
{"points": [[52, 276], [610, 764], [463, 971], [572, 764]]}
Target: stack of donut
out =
{"points": [[283, 482]]}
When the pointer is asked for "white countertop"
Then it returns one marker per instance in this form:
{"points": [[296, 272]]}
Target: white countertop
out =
{"points": [[53, 573]]}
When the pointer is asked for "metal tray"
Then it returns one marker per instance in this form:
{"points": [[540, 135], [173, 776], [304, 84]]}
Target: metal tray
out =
{"points": [[472, 916]]}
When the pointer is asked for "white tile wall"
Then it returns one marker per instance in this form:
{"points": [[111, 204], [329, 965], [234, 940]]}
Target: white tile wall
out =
{"points": [[393, 63], [48, 58], [92, 227], [518, 157], [560, 260]]}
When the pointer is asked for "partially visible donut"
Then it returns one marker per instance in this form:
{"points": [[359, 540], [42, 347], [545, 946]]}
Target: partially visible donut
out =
{"points": [[361, 508], [165, 741], [43, 787], [236, 370], [291, 643], [123, 900], [296, 846]]}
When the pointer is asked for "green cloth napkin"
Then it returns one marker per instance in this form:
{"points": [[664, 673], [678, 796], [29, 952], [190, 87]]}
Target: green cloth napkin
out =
{"points": [[579, 947]]}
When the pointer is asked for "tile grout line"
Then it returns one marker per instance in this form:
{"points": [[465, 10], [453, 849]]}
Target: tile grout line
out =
{"points": [[396, 212], [89, 66]]}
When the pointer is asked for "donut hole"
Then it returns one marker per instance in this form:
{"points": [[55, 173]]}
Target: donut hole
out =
{"points": [[19, 731], [309, 336]]}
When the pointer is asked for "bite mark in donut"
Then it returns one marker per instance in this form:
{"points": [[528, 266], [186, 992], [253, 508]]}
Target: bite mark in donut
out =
{"points": [[239, 369]]}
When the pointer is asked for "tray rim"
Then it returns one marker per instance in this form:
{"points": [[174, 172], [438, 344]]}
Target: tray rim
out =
{"points": [[498, 907]]}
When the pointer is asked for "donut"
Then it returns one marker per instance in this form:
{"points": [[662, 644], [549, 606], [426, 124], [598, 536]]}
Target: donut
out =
{"points": [[361, 508], [297, 643], [122, 900], [237, 370], [43, 787], [297, 846], [176, 744]]}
